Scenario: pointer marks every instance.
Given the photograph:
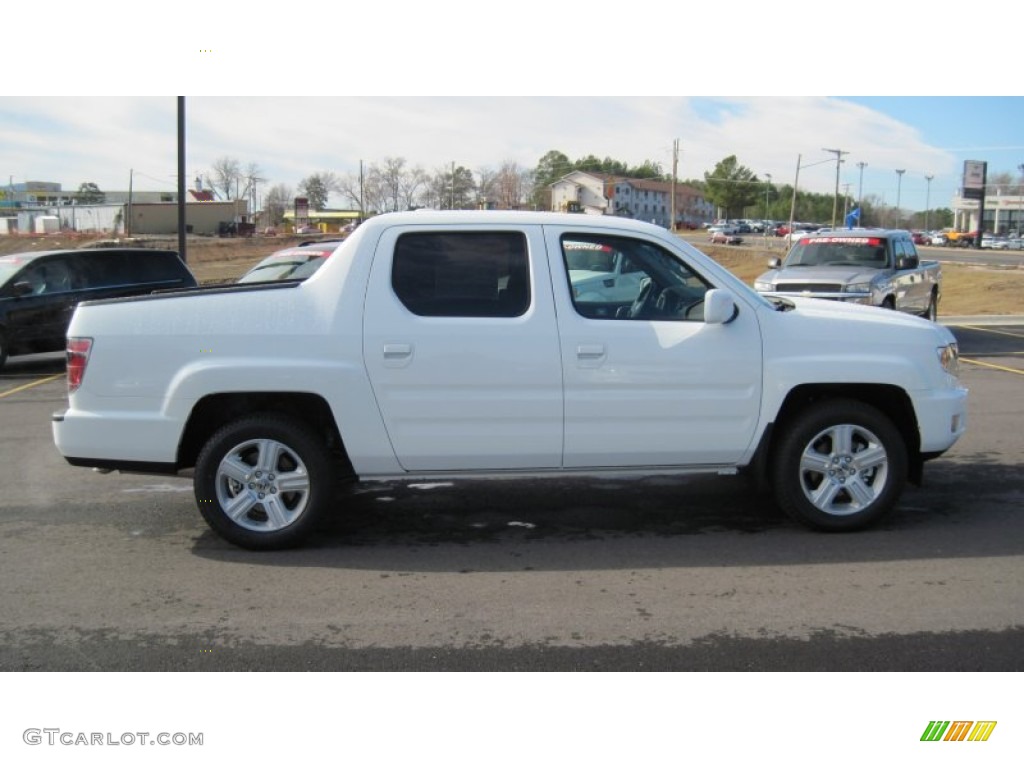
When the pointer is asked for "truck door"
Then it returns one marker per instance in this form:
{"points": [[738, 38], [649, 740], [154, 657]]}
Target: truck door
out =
{"points": [[461, 348], [913, 291], [649, 383]]}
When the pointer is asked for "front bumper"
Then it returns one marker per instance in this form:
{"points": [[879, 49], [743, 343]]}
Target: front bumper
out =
{"points": [[941, 419]]}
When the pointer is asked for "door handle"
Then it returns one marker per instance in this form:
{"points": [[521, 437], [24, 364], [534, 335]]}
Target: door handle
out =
{"points": [[590, 351], [397, 351]]}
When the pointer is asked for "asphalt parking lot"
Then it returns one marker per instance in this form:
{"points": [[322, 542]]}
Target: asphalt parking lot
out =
{"points": [[118, 572]]}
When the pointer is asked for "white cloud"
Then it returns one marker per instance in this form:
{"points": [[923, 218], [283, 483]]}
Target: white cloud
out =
{"points": [[72, 140]]}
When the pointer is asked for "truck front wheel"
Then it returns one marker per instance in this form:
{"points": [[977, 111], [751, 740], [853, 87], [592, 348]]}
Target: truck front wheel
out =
{"points": [[263, 481], [840, 465], [932, 311]]}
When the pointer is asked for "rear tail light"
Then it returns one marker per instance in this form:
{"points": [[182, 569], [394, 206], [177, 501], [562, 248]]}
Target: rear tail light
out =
{"points": [[78, 358]]}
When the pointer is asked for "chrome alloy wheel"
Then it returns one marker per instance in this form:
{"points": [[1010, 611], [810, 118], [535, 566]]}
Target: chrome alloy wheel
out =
{"points": [[843, 469], [262, 485]]}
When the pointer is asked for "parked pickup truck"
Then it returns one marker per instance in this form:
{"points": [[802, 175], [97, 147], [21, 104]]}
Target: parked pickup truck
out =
{"points": [[864, 266], [460, 344]]}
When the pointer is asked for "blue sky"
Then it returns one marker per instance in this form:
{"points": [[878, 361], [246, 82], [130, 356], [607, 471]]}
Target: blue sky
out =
{"points": [[415, 84]]}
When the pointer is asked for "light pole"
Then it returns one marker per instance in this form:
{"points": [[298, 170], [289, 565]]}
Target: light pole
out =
{"points": [[1020, 207], [860, 191], [767, 188], [899, 184], [927, 201]]}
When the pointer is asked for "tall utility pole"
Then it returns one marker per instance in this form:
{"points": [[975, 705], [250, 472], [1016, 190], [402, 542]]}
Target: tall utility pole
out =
{"points": [[927, 201], [899, 184], [362, 208], [860, 185], [792, 204], [835, 200], [1020, 205], [675, 168], [181, 178]]}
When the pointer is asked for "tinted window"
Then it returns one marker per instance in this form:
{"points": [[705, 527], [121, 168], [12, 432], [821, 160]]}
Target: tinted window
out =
{"points": [[462, 274], [108, 269]]}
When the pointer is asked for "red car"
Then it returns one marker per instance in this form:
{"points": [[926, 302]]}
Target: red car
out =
{"points": [[724, 238]]}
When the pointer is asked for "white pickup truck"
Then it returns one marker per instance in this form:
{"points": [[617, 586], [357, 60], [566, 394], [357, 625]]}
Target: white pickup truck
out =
{"points": [[456, 344]]}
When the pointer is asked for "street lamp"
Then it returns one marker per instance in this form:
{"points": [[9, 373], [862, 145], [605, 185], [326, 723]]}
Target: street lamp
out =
{"points": [[927, 201], [899, 184]]}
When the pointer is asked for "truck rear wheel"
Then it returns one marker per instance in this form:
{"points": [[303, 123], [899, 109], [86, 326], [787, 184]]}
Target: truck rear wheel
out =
{"points": [[263, 481], [840, 466]]}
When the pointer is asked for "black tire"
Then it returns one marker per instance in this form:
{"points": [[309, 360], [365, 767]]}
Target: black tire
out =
{"points": [[239, 475], [932, 312], [888, 303], [840, 465], [3, 349]]}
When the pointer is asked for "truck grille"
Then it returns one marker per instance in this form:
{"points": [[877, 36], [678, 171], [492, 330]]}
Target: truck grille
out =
{"points": [[809, 287]]}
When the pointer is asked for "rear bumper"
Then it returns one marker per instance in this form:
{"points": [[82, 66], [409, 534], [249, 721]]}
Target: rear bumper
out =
{"points": [[130, 441]]}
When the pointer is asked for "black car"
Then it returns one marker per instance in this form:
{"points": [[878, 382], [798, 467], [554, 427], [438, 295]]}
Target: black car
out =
{"points": [[40, 290]]}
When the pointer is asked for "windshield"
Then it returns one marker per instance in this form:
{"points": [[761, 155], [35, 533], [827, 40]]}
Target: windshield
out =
{"points": [[589, 257], [292, 264], [837, 251]]}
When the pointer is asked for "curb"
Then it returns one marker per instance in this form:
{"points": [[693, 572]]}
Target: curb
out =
{"points": [[982, 320]]}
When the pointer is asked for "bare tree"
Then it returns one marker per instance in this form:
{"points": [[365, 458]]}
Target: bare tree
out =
{"points": [[512, 185], [350, 187], [411, 184], [279, 198], [227, 173], [253, 177], [486, 188]]}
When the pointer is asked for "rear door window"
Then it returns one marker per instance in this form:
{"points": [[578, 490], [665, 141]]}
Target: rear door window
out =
{"points": [[462, 274]]}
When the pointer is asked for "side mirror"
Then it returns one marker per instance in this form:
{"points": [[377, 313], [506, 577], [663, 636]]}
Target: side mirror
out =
{"points": [[906, 262], [22, 288], [719, 307], [775, 263]]}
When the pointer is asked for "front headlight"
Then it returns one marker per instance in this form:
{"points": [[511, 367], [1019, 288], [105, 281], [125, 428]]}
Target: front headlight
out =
{"points": [[949, 358], [858, 287], [760, 285]]}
